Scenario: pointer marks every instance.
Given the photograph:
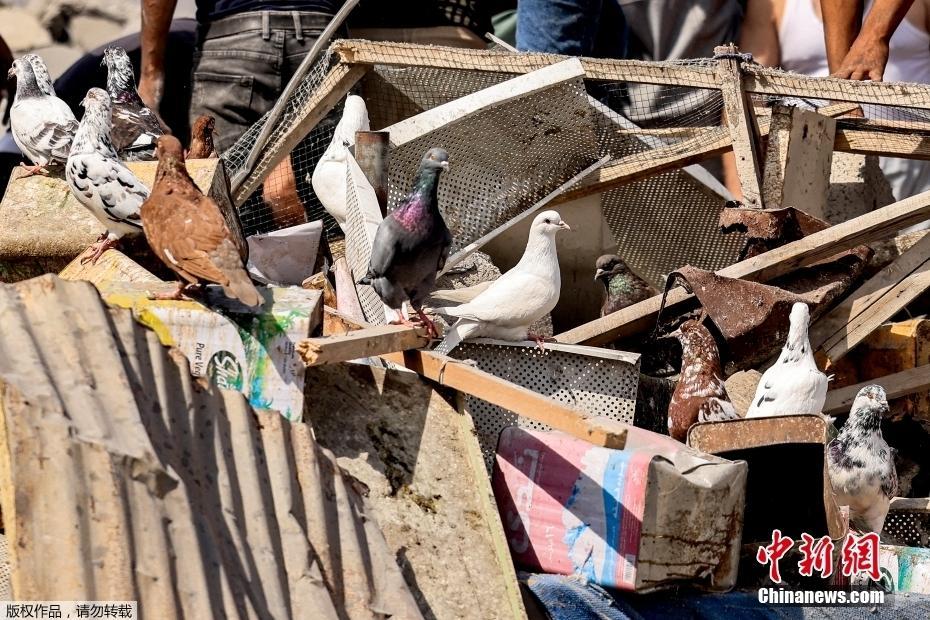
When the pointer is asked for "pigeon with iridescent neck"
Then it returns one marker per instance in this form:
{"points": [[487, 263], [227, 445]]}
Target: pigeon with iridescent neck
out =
{"points": [[412, 243], [135, 126], [622, 287], [109, 190], [861, 463], [43, 125]]}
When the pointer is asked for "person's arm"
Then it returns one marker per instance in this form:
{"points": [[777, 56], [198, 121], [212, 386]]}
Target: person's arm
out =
{"points": [[860, 54], [759, 37], [156, 22]]}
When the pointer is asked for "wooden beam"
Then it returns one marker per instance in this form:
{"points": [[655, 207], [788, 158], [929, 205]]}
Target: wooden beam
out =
{"points": [[336, 323], [523, 402], [883, 143], [483, 100], [798, 160], [740, 120], [866, 228], [899, 384], [340, 79], [361, 343], [831, 327], [354, 52]]}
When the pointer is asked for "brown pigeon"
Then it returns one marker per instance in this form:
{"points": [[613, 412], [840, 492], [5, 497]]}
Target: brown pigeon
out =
{"points": [[201, 146], [187, 231], [700, 395]]}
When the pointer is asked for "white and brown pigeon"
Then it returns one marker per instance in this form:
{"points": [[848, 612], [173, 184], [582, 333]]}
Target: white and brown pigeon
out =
{"points": [[329, 175], [519, 298], [135, 126], [187, 231], [793, 385], [43, 125], [412, 243], [700, 395], [861, 463], [99, 181]]}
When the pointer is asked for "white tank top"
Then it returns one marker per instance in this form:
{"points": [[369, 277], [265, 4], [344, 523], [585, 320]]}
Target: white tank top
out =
{"points": [[803, 49]]}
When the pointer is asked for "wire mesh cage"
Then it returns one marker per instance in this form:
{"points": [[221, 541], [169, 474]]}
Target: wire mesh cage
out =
{"points": [[594, 381]]}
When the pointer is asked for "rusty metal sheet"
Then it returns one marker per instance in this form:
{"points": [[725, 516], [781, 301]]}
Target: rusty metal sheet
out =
{"points": [[124, 478], [766, 229]]}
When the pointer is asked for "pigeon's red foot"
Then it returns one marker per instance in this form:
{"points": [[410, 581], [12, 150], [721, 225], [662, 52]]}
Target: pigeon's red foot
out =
{"points": [[98, 249], [182, 292], [32, 170], [430, 326], [539, 340]]}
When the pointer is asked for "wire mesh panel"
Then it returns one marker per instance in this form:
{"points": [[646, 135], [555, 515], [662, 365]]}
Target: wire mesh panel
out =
{"points": [[595, 381]]}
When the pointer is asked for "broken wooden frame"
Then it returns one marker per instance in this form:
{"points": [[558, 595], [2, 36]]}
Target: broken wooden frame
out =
{"points": [[352, 59]]}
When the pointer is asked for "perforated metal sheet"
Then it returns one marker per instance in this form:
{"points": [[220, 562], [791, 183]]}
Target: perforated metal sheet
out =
{"points": [[359, 237], [908, 527], [505, 158], [596, 381], [6, 587]]}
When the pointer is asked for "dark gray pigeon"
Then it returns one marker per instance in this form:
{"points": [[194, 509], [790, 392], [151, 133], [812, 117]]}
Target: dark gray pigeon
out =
{"points": [[622, 287], [412, 243], [135, 127], [861, 464]]}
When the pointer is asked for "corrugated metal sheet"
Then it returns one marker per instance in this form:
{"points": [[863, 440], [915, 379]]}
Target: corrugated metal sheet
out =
{"points": [[122, 477]]}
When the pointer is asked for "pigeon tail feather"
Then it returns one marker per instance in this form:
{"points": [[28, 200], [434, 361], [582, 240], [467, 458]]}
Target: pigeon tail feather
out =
{"points": [[241, 287], [459, 331]]}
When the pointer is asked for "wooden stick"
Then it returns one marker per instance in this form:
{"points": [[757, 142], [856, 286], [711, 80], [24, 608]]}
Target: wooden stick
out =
{"points": [[824, 331], [337, 323], [897, 385], [526, 403], [361, 343], [866, 228], [741, 122]]}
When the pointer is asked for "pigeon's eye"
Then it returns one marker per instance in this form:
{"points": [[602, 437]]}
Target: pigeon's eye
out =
{"points": [[546, 222]]}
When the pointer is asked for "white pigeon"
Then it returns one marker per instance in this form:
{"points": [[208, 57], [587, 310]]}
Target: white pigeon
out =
{"points": [[861, 463], [42, 124], [99, 181], [793, 385], [43, 79], [329, 176], [519, 298]]}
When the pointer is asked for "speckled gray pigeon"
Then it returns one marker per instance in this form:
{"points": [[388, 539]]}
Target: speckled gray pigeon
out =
{"points": [[861, 463], [412, 243], [135, 127]]}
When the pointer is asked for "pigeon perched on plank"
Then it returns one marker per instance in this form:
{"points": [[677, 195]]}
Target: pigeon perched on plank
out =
{"points": [[622, 287], [861, 464], [43, 125], [201, 145], [700, 395], [187, 231], [412, 243], [517, 299], [793, 385], [99, 181], [329, 175], [135, 126]]}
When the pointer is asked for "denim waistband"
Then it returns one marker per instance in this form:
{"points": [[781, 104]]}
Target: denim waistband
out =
{"points": [[264, 22]]}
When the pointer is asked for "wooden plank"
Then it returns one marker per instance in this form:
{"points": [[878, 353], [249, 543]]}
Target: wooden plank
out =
{"points": [[361, 343], [899, 384], [872, 226], [895, 300], [836, 321], [335, 85], [740, 120], [354, 52], [337, 323], [798, 160], [460, 109], [883, 143], [526, 403]]}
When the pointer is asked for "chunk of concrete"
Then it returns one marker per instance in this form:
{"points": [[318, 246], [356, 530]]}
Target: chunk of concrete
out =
{"points": [[21, 30]]}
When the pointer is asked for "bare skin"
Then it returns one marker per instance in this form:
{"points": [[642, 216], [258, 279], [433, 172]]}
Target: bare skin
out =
{"points": [[156, 22], [860, 53]]}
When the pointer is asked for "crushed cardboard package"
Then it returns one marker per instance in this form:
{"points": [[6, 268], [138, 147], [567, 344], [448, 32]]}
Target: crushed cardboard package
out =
{"points": [[237, 349], [652, 515]]}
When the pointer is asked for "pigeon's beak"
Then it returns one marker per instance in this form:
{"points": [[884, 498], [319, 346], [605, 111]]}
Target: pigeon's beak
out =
{"points": [[565, 226], [11, 73], [598, 274], [444, 164]]}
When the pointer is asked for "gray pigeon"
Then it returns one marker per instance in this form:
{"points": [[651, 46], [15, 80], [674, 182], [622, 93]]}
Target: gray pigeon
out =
{"points": [[42, 124], [622, 287], [135, 127], [99, 181], [861, 464], [43, 79], [412, 243]]}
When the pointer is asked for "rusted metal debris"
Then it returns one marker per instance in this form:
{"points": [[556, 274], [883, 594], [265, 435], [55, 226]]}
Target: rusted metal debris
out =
{"points": [[766, 229]]}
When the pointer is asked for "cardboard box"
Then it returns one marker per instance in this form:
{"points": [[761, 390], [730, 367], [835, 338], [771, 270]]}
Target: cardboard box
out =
{"points": [[653, 515]]}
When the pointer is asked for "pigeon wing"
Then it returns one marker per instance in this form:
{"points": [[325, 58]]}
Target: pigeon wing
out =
{"points": [[45, 126], [508, 301]]}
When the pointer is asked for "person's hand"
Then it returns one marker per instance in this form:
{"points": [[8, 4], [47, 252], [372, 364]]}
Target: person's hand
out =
{"points": [[865, 60]]}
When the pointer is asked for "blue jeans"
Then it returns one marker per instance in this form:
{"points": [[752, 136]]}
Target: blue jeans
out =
{"points": [[571, 27]]}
